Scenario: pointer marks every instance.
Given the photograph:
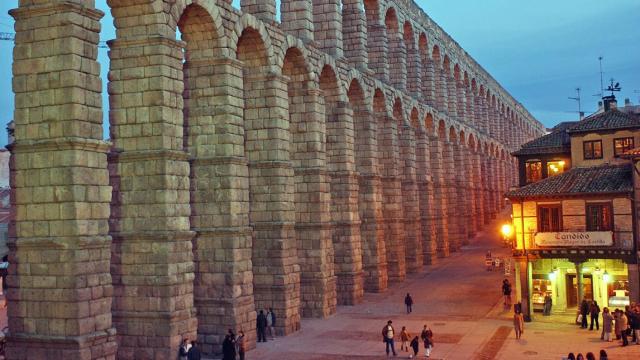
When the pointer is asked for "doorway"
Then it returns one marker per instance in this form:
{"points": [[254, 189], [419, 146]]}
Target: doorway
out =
{"points": [[572, 289]]}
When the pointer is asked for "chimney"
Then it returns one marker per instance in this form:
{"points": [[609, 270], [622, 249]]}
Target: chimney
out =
{"points": [[599, 105], [627, 102], [610, 103]]}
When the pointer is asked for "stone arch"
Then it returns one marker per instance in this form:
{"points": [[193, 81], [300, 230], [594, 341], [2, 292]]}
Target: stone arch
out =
{"points": [[472, 143], [429, 124], [261, 37], [453, 135], [413, 65], [397, 62], [414, 119], [442, 130], [462, 139], [379, 104], [209, 10], [398, 112]]}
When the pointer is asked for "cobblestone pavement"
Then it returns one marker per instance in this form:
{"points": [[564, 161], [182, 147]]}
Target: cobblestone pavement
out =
{"points": [[461, 303]]}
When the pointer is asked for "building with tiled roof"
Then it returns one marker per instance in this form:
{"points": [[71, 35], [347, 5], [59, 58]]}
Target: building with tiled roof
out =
{"points": [[574, 225]]}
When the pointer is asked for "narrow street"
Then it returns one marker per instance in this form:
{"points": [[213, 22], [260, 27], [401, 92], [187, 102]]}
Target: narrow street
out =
{"points": [[462, 304]]}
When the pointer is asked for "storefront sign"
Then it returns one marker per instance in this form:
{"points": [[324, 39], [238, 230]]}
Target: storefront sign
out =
{"points": [[575, 239]]}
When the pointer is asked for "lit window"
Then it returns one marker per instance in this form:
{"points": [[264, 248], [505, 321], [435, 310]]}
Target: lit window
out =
{"points": [[549, 218], [555, 167], [533, 171], [599, 217], [592, 149], [622, 145]]}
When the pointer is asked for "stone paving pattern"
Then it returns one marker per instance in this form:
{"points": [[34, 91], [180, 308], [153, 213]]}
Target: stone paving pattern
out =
{"points": [[253, 163], [460, 301]]}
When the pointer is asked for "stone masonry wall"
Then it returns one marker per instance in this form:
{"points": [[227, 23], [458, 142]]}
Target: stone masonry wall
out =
{"points": [[253, 164]]}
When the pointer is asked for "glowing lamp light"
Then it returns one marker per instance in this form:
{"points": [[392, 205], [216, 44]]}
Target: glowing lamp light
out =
{"points": [[606, 277], [561, 163], [507, 230], [552, 275]]}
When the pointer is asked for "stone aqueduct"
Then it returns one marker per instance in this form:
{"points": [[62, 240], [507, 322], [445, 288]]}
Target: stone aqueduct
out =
{"points": [[252, 164]]}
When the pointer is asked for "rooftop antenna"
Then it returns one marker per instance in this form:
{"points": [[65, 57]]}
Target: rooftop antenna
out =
{"points": [[577, 98], [614, 87], [601, 81]]}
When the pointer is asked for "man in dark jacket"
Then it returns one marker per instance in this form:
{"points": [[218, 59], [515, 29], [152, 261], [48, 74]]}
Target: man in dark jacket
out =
{"points": [[584, 311], [409, 302], [228, 348], [594, 311], [261, 327], [194, 352]]}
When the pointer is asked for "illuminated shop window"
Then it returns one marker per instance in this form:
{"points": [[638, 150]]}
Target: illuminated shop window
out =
{"points": [[555, 167], [533, 170], [622, 145]]}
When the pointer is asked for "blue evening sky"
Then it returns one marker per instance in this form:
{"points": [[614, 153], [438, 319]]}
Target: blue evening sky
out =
{"points": [[540, 51]]}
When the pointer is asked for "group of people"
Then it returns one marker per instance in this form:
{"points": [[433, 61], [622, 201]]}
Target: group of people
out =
{"points": [[622, 324], [233, 346], [189, 350], [590, 356], [264, 323], [408, 342]]}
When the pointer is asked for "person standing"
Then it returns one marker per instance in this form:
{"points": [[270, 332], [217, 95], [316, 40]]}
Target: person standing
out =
{"points": [[506, 292], [408, 300], [427, 339], [624, 328], [634, 323], [607, 325], [228, 348], [584, 311], [547, 305], [617, 324], [271, 319], [387, 335], [404, 337], [603, 355], [194, 352], [183, 351], [261, 327], [518, 324], [240, 344], [594, 312], [415, 345]]}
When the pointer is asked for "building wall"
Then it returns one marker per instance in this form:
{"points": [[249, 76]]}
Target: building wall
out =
{"points": [[4, 168], [573, 219], [247, 168], [577, 152], [522, 160]]}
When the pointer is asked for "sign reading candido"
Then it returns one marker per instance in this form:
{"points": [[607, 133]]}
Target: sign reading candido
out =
{"points": [[574, 239]]}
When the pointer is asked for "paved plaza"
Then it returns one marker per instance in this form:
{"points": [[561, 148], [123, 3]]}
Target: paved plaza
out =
{"points": [[460, 301]]}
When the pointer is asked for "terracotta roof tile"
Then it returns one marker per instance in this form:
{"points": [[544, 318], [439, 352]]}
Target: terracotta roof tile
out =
{"points": [[609, 120], [604, 179], [557, 141]]}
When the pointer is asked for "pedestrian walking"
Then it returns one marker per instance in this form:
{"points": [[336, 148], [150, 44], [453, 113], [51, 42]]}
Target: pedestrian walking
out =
{"points": [[194, 352], [634, 323], [415, 346], [408, 301], [594, 312], [240, 345], [506, 292], [518, 324], [183, 351], [261, 327], [387, 335], [590, 356], [271, 323], [571, 356], [228, 348], [427, 339], [580, 357], [404, 337], [584, 311], [607, 325]]}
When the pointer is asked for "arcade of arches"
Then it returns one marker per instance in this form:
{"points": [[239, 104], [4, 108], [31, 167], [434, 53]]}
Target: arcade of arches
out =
{"points": [[251, 164]]}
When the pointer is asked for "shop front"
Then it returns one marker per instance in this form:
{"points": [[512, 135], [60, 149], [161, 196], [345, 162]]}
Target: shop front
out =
{"points": [[602, 280]]}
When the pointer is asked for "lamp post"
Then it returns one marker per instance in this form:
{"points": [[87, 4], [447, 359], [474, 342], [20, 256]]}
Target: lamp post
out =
{"points": [[507, 232]]}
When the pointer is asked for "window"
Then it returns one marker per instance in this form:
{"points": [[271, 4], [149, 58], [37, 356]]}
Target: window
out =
{"points": [[592, 149], [622, 145], [599, 217], [533, 171], [555, 168], [549, 218]]}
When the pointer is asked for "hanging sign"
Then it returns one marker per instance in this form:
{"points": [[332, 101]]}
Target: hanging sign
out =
{"points": [[574, 239]]}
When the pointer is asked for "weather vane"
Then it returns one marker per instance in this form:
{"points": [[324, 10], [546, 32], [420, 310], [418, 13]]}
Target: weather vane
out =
{"points": [[613, 87]]}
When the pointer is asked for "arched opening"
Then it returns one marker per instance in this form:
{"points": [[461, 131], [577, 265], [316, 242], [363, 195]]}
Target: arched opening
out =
{"points": [[428, 124], [397, 62], [341, 165], [307, 151], [275, 277], [374, 256], [414, 69], [440, 83], [427, 71]]}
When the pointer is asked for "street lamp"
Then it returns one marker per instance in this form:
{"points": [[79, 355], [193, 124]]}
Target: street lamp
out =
{"points": [[606, 277], [507, 232]]}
